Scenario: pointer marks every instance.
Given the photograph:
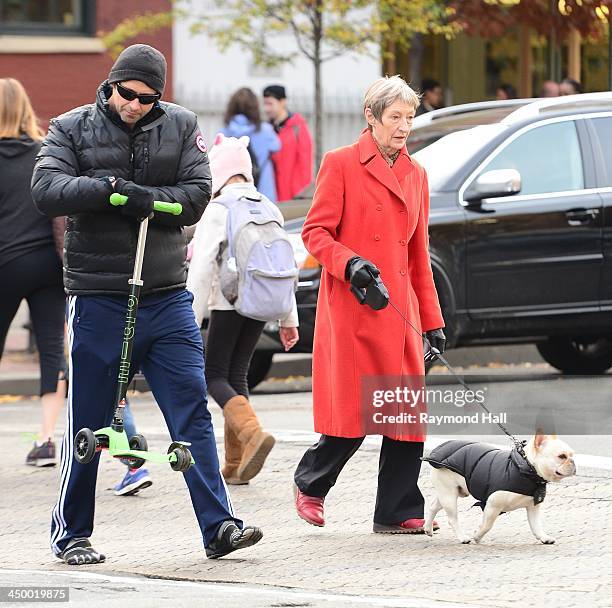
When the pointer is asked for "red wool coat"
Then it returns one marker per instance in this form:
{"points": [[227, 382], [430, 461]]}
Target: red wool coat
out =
{"points": [[363, 207]]}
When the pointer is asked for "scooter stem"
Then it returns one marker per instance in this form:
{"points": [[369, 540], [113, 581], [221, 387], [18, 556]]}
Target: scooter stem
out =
{"points": [[140, 249], [129, 328]]}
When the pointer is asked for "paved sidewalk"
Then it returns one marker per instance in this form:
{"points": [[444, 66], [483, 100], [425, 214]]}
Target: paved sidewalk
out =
{"points": [[155, 533]]}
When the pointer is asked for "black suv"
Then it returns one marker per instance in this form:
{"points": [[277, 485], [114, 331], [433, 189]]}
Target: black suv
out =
{"points": [[520, 226]]}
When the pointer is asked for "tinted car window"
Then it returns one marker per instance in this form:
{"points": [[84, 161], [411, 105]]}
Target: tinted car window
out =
{"points": [[547, 157], [603, 126]]}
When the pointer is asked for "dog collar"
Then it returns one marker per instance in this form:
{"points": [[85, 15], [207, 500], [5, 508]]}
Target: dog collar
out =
{"points": [[540, 491]]}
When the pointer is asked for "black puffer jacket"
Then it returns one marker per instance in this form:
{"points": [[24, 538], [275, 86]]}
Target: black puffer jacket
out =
{"points": [[164, 152], [487, 469]]}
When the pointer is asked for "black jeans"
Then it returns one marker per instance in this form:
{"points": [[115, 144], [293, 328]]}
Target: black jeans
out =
{"points": [[398, 497], [37, 278], [230, 343]]}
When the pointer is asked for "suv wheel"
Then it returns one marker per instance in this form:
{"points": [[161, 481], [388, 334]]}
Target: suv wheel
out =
{"points": [[577, 355]]}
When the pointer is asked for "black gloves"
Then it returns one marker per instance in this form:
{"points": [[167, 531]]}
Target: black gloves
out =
{"points": [[437, 339], [360, 272], [366, 284], [140, 199]]}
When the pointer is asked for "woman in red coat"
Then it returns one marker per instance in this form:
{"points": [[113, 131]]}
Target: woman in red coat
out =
{"points": [[369, 217]]}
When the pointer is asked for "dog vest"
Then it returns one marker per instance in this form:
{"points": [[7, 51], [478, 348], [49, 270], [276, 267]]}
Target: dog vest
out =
{"points": [[487, 469]]}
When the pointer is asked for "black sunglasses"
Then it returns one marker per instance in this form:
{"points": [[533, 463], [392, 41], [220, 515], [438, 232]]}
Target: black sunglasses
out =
{"points": [[129, 95]]}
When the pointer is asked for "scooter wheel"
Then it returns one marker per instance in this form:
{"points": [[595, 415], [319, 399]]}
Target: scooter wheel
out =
{"points": [[138, 442], [84, 446], [183, 458]]}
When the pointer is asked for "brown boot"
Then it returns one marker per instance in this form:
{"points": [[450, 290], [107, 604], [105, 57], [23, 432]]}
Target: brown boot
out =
{"points": [[233, 456], [256, 443]]}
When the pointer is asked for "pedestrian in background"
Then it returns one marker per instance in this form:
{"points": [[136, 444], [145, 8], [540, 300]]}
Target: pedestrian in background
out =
{"points": [[30, 267], [29, 270], [569, 86], [369, 217], [231, 337], [505, 91], [432, 96], [242, 117], [293, 162], [549, 88]]}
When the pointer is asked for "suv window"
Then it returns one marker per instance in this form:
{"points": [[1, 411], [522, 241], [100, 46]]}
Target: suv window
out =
{"points": [[547, 157], [603, 126], [421, 137]]}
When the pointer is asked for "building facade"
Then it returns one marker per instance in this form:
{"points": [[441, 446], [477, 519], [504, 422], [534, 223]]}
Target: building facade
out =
{"points": [[54, 47], [471, 68]]}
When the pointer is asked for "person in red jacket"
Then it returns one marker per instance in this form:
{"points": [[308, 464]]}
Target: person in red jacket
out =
{"points": [[293, 162]]}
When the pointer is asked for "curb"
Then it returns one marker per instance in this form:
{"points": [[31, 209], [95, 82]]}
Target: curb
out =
{"points": [[288, 365]]}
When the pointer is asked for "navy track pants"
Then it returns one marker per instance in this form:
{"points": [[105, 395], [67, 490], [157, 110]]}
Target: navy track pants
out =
{"points": [[168, 349]]}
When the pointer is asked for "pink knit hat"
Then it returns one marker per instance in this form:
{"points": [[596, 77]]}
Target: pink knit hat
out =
{"points": [[228, 157]]}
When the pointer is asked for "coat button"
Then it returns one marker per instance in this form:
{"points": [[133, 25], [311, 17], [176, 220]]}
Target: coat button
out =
{"points": [[402, 272], [377, 237], [402, 242], [378, 207]]}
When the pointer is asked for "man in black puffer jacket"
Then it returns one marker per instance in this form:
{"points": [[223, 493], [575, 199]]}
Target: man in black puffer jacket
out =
{"points": [[130, 142]]}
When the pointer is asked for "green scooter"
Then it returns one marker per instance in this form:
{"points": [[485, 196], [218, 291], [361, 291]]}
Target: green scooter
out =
{"points": [[113, 438]]}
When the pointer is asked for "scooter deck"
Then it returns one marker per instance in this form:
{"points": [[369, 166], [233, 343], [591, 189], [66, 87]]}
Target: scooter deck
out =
{"points": [[119, 447]]}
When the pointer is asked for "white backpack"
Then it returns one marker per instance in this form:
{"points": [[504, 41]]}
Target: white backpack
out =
{"points": [[258, 274]]}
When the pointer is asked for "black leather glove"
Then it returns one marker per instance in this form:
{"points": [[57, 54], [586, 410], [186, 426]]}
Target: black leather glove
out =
{"points": [[437, 339], [359, 272], [140, 199]]}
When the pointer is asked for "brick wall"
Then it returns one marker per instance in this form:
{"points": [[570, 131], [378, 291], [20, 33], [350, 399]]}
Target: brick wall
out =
{"points": [[57, 82]]}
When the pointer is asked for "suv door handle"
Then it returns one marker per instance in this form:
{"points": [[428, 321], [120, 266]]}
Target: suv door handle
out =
{"points": [[580, 217]]}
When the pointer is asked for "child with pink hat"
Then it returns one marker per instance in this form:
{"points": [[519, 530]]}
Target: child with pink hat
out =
{"points": [[231, 337]]}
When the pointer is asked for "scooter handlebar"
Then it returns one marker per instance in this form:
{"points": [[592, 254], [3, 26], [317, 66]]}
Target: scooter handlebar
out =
{"points": [[118, 200]]}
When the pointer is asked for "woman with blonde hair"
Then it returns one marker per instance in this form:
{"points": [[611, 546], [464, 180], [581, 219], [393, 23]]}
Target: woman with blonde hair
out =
{"points": [[30, 267]]}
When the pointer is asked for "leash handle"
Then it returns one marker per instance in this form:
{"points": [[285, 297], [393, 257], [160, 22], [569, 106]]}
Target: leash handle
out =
{"points": [[359, 294]]}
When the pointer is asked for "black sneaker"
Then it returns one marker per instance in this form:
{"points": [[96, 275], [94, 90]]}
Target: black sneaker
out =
{"points": [[42, 456], [79, 552], [230, 538]]}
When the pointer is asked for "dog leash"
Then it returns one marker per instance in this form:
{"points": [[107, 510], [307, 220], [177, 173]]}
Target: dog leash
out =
{"points": [[376, 295], [519, 445], [436, 354]]}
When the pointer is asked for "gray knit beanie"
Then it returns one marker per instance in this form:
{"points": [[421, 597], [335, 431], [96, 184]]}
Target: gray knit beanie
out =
{"points": [[140, 62]]}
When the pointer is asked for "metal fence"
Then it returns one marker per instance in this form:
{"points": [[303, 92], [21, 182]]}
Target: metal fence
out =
{"points": [[342, 115]]}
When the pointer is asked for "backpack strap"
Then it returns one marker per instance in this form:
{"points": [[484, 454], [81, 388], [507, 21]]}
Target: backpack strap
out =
{"points": [[228, 203]]}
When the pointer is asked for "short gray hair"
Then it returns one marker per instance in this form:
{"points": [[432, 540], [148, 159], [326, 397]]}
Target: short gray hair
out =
{"points": [[387, 90]]}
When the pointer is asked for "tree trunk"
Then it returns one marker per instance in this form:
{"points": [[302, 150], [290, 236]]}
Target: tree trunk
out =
{"points": [[415, 53], [318, 105]]}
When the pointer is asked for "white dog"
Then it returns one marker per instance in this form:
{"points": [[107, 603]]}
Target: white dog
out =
{"points": [[501, 480]]}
